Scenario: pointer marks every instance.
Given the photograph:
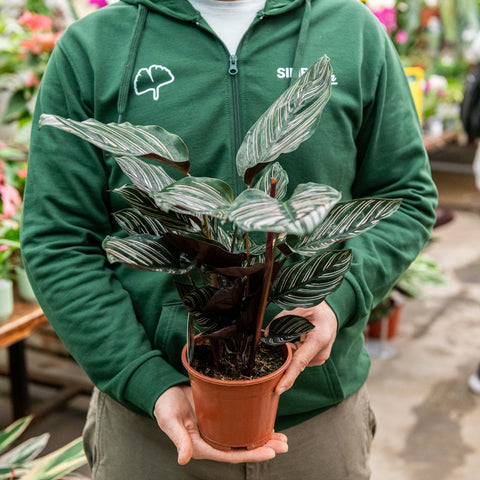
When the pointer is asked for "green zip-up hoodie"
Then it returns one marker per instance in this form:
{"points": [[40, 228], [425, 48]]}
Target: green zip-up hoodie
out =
{"points": [[157, 62]]}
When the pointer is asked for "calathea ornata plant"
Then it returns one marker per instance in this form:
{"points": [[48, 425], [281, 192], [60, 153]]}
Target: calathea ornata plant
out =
{"points": [[196, 228]]}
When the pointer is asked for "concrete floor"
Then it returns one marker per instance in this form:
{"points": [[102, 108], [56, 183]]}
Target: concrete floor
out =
{"points": [[428, 421]]}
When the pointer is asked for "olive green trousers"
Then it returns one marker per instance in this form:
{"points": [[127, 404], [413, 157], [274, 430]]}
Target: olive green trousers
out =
{"points": [[335, 445]]}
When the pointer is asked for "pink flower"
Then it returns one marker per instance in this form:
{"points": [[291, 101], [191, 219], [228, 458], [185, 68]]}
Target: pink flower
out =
{"points": [[99, 3], [11, 201], [3, 144], [40, 42], [388, 18], [3, 248], [401, 37], [35, 21], [22, 173], [32, 81]]}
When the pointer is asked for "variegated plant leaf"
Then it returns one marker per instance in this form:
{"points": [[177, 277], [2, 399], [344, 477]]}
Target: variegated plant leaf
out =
{"points": [[195, 300], [133, 222], [289, 121], [218, 234], [146, 177], [308, 282], [149, 141], [344, 221], [254, 210], [172, 222], [197, 195], [27, 450], [58, 463], [145, 252], [138, 199], [13, 431], [279, 174], [286, 329]]}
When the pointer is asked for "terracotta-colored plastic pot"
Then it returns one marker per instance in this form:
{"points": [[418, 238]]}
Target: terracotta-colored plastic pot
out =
{"points": [[389, 323], [235, 413]]}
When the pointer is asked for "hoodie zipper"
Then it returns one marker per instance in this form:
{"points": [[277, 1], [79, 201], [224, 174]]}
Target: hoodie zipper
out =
{"points": [[233, 71]]}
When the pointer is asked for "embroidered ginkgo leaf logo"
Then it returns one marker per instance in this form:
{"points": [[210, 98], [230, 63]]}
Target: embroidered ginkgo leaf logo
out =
{"points": [[151, 79]]}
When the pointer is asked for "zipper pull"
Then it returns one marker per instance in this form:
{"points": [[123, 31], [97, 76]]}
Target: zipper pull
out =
{"points": [[233, 67]]}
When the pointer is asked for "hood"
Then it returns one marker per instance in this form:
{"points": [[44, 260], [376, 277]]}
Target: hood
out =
{"points": [[183, 10]]}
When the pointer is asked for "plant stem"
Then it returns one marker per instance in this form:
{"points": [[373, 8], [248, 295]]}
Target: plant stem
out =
{"points": [[232, 248], [267, 277]]}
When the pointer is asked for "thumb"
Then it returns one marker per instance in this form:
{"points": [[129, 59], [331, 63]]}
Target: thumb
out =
{"points": [[179, 435]]}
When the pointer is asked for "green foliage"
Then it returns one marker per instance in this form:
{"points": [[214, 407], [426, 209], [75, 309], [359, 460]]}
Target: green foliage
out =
{"points": [[22, 461], [196, 228]]}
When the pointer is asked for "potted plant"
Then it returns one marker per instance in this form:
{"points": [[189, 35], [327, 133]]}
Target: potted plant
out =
{"points": [[385, 317], [233, 256]]}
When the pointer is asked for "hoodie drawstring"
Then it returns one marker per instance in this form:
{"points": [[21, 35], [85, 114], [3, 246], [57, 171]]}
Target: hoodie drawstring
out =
{"points": [[130, 62], [302, 40]]}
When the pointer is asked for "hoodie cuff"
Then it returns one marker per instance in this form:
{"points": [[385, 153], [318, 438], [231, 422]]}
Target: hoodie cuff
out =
{"points": [[149, 381], [343, 302]]}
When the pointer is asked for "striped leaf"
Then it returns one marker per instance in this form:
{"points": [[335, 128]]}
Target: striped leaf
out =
{"points": [[289, 121], [279, 174], [138, 199], [197, 195], [145, 252], [27, 450], [254, 210], [194, 300], [220, 235], [133, 222], [58, 463], [148, 141], [344, 221], [13, 431], [308, 282], [146, 177], [172, 222], [286, 329]]}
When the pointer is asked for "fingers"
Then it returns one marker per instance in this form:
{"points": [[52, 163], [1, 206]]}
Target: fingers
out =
{"points": [[181, 438], [301, 360], [277, 444]]}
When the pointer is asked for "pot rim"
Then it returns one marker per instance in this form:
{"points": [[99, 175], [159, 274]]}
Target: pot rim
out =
{"points": [[239, 383]]}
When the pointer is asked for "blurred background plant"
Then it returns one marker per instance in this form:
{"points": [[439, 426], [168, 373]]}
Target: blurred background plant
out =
{"points": [[443, 38], [22, 461]]}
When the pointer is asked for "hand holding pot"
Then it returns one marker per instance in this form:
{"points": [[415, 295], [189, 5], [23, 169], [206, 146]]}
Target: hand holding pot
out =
{"points": [[315, 349], [175, 415]]}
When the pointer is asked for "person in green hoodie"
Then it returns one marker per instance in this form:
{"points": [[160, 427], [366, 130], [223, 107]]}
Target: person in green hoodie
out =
{"points": [[206, 70]]}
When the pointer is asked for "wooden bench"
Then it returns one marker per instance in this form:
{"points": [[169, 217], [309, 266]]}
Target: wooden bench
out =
{"points": [[25, 320]]}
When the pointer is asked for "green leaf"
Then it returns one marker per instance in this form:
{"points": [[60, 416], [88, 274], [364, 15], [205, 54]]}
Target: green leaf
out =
{"points": [[145, 252], [197, 195], [279, 174], [146, 177], [289, 121], [58, 463], [308, 282], [148, 141], [13, 431], [172, 222], [286, 329], [254, 210], [27, 450], [133, 222], [344, 221]]}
